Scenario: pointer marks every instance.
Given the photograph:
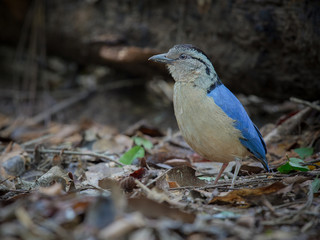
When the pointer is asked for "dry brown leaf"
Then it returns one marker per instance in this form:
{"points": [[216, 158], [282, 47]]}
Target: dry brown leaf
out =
{"points": [[249, 169], [128, 184], [167, 152], [184, 176], [173, 184], [56, 160], [121, 227], [100, 171], [117, 144], [153, 209], [65, 132], [54, 175], [295, 179], [12, 161], [54, 190], [240, 197], [145, 128]]}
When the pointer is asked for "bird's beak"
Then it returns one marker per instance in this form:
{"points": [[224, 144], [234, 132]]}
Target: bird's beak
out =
{"points": [[161, 58]]}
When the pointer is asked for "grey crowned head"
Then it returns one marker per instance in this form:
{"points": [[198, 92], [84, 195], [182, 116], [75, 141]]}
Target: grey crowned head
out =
{"points": [[184, 61]]}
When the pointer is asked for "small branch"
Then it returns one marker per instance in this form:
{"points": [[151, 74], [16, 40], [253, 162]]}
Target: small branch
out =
{"points": [[91, 154], [266, 203], [158, 197], [39, 139], [153, 181], [306, 103], [238, 183]]}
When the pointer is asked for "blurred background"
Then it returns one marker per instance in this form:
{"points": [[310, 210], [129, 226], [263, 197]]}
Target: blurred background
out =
{"points": [[77, 60]]}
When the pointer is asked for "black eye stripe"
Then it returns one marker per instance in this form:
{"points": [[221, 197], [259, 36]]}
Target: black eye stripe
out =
{"points": [[184, 56], [207, 67]]}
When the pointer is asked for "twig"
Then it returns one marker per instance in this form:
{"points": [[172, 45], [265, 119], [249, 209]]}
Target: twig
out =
{"points": [[154, 180], [157, 178], [306, 103], [33, 141], [266, 203], [158, 197], [226, 185], [91, 154], [309, 200], [311, 162]]}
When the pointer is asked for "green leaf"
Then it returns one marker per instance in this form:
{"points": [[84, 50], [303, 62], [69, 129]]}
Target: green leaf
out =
{"points": [[294, 164], [304, 152], [285, 168], [143, 142], [315, 185], [129, 156]]}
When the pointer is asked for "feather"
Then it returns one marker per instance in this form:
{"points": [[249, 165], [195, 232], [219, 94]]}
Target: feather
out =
{"points": [[251, 137]]}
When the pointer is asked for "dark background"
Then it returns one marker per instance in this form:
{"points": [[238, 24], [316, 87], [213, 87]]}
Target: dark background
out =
{"points": [[53, 50]]}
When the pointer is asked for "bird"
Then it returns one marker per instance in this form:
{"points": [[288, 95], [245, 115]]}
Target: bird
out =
{"points": [[210, 117]]}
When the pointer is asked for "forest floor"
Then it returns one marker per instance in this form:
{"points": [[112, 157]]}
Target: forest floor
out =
{"points": [[86, 180]]}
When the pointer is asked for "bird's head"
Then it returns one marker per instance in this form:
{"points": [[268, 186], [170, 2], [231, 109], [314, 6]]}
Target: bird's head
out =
{"points": [[187, 63]]}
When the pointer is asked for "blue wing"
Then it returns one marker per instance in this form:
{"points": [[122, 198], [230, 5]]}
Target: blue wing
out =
{"points": [[251, 137]]}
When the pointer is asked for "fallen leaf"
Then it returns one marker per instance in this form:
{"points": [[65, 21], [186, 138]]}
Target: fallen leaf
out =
{"points": [[173, 184], [295, 179], [99, 171], [249, 169], [184, 176], [113, 144], [63, 133], [12, 161], [143, 127], [54, 175], [168, 152], [247, 221], [14, 166], [143, 142], [123, 226], [304, 152], [138, 174], [132, 154], [53, 190], [315, 185], [100, 213], [294, 164], [128, 184], [242, 197], [153, 209]]}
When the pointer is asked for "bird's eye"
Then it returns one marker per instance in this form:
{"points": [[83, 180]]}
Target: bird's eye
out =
{"points": [[183, 56]]}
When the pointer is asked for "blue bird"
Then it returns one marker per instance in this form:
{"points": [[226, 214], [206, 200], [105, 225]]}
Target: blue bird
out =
{"points": [[211, 119]]}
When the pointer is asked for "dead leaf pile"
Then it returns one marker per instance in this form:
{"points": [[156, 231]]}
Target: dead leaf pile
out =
{"points": [[76, 182]]}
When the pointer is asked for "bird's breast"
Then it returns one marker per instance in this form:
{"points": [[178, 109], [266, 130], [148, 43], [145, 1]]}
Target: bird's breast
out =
{"points": [[204, 125]]}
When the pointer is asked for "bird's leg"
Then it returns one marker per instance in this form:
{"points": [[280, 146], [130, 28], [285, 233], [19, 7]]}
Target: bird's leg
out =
{"points": [[236, 171], [223, 167]]}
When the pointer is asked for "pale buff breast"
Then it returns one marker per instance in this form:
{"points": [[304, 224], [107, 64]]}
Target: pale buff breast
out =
{"points": [[204, 126]]}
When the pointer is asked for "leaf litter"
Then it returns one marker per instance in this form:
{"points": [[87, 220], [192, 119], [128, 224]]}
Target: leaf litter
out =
{"points": [[88, 181]]}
